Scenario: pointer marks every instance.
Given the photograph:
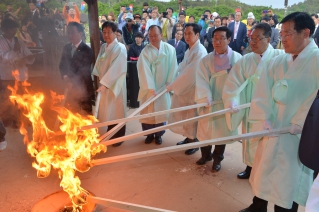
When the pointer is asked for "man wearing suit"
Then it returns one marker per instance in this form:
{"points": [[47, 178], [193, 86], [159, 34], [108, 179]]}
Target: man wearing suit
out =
{"points": [[34, 24], [239, 34], [75, 68], [274, 39], [179, 45], [217, 24], [315, 35]]}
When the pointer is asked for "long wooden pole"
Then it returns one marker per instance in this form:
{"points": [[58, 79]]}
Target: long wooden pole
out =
{"points": [[123, 205], [102, 124], [157, 129], [115, 129], [165, 150]]}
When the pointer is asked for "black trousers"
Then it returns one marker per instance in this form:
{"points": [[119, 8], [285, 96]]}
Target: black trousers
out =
{"points": [[260, 205], [218, 154], [2, 131], [119, 133]]}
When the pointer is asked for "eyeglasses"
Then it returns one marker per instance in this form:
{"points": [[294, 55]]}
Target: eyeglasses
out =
{"points": [[218, 40], [281, 36], [255, 40]]}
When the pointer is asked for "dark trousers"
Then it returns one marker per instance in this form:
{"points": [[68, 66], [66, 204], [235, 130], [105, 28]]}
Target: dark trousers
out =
{"points": [[218, 154], [152, 126], [119, 133], [2, 131], [260, 205]]}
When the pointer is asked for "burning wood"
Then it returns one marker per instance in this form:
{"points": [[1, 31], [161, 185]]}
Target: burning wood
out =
{"points": [[63, 153]]}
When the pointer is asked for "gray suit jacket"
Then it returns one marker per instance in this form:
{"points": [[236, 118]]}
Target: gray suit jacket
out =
{"points": [[274, 39]]}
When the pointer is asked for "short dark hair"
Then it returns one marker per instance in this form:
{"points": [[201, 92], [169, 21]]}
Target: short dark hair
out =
{"points": [[218, 17], [139, 35], [181, 13], [223, 29], [155, 26], [9, 23], [265, 18], [265, 27], [191, 17], [314, 14], [110, 24], [145, 11], [119, 31], [232, 15], [169, 8], [302, 21], [196, 28], [207, 11], [78, 26], [123, 6], [145, 4]]}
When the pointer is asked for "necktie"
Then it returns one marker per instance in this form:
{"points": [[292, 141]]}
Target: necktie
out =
{"points": [[235, 30], [73, 50], [176, 44]]}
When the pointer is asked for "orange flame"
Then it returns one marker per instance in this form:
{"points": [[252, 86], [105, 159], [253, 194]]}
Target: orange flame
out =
{"points": [[50, 149]]}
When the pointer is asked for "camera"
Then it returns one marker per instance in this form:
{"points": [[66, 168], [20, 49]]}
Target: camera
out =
{"points": [[164, 14], [265, 11], [67, 8]]}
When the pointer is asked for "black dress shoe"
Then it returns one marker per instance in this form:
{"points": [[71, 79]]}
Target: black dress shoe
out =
{"points": [[243, 175], [183, 142], [158, 140], [191, 151], [149, 139], [216, 167], [117, 144]]}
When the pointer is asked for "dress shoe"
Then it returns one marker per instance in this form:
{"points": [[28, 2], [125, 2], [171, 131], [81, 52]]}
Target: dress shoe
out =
{"points": [[158, 140], [149, 139], [216, 167], [191, 151], [245, 210], [117, 144], [245, 174], [183, 142], [206, 155]]}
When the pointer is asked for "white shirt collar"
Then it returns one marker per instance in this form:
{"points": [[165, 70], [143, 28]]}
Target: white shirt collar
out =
{"points": [[77, 45]]}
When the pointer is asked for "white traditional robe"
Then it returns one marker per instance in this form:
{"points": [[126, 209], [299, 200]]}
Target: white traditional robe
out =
{"points": [[156, 68], [240, 87], [184, 90], [284, 94], [313, 199], [7, 57], [111, 68], [210, 83]]}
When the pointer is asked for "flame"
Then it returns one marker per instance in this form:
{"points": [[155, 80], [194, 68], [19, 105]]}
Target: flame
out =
{"points": [[62, 152]]}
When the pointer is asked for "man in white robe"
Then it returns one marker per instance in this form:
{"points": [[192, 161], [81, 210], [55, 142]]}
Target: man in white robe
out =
{"points": [[283, 97], [111, 68], [156, 68], [210, 80], [184, 86], [14, 55], [241, 84]]}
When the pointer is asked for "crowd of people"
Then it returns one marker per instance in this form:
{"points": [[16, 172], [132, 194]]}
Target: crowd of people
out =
{"points": [[220, 62]]}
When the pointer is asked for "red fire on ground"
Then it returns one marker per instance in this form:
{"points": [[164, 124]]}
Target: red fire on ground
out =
{"points": [[61, 152]]}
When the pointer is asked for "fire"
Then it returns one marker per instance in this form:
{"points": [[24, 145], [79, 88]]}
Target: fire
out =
{"points": [[68, 152]]}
